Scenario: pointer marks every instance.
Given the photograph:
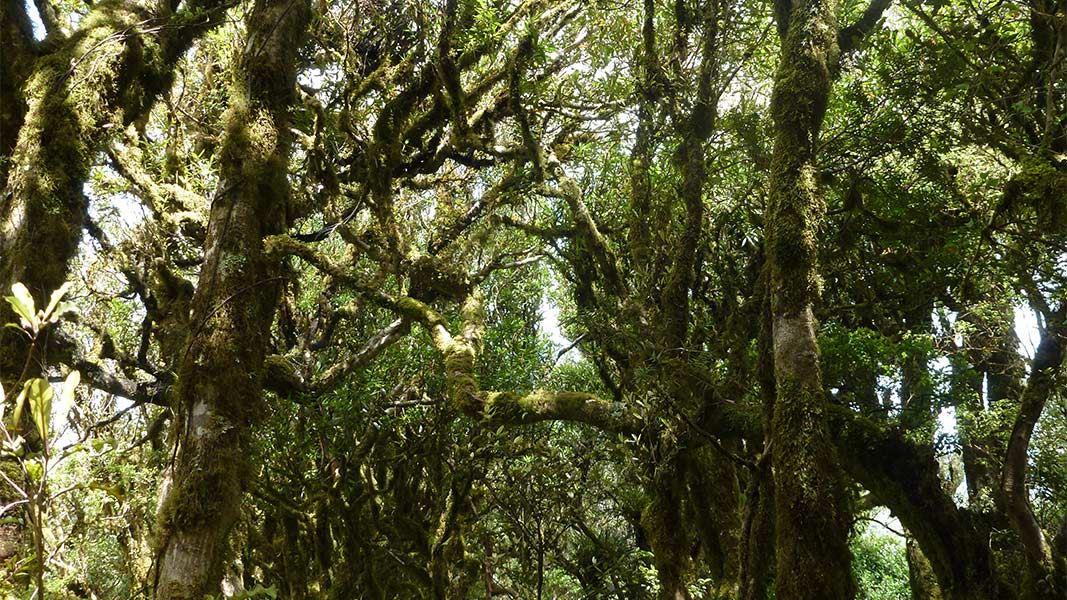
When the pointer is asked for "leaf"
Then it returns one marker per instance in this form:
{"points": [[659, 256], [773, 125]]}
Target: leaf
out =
{"points": [[23, 304], [35, 470], [3, 404], [20, 401], [41, 405], [54, 302], [14, 446], [66, 400]]}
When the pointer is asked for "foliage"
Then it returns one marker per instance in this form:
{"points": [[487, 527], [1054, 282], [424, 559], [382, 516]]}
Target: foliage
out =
{"points": [[880, 565]]}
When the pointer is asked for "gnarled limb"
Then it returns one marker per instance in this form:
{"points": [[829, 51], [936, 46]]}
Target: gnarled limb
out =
{"points": [[106, 74], [904, 478]]}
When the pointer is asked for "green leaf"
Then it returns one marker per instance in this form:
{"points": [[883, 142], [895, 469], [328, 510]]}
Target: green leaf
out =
{"points": [[34, 469], [20, 401], [66, 400], [23, 304], [41, 405], [53, 302]]}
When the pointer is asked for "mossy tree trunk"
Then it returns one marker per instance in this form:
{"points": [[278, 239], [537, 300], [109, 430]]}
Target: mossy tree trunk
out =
{"points": [[103, 77], [714, 498], [921, 574], [58, 101], [219, 387], [662, 521], [813, 559]]}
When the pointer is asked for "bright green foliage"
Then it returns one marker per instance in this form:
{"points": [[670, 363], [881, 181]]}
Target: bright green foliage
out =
{"points": [[880, 565]]}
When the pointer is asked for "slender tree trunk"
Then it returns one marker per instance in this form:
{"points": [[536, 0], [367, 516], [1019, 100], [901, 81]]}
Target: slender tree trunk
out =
{"points": [[813, 559], [757, 563], [220, 378], [1045, 578]]}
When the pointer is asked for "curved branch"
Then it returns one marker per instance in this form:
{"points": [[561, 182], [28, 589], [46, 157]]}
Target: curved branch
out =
{"points": [[508, 408], [905, 478], [1047, 363]]}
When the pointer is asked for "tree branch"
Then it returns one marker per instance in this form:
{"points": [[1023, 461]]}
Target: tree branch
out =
{"points": [[1047, 363], [849, 38]]}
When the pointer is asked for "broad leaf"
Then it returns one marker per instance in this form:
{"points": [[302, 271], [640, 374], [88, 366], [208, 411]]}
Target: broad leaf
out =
{"points": [[40, 399], [20, 401], [66, 399], [23, 304], [53, 302]]}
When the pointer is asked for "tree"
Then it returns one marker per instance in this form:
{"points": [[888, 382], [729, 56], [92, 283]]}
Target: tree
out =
{"points": [[543, 298]]}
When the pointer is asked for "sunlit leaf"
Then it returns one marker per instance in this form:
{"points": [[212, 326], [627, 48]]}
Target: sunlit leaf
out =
{"points": [[53, 302], [20, 401], [35, 470], [66, 400], [23, 304], [40, 399]]}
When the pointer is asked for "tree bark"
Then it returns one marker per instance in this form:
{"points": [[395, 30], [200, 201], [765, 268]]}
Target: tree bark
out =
{"points": [[813, 559], [714, 496], [219, 386], [107, 74], [904, 477], [662, 521], [56, 109], [1045, 578], [920, 574]]}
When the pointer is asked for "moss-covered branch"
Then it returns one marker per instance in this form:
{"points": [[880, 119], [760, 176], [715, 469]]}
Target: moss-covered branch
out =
{"points": [[106, 75], [905, 478]]}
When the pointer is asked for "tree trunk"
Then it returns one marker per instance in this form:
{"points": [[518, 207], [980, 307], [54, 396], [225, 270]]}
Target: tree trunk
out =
{"points": [[1044, 578], [904, 477], [920, 573], [714, 497], [662, 521], [813, 559], [107, 74], [55, 111], [757, 541], [220, 378]]}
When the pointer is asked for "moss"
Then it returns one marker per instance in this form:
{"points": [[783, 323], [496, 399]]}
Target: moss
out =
{"points": [[661, 520], [104, 75]]}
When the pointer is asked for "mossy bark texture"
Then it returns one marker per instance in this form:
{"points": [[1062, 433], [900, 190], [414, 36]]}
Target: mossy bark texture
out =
{"points": [[58, 101], [100, 79], [220, 380], [813, 559], [662, 521], [904, 477]]}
